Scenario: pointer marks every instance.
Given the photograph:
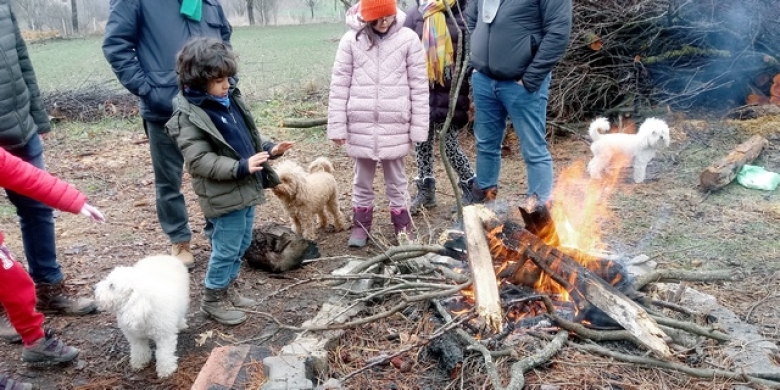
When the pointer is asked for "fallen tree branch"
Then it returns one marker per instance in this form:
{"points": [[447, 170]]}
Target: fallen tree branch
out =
{"points": [[397, 253], [695, 372], [303, 123], [677, 275], [423, 341], [520, 367], [692, 328]]}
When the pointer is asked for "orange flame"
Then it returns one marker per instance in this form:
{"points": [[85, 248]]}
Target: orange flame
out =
{"points": [[581, 207]]}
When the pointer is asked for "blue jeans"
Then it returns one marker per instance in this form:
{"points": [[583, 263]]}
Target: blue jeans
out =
{"points": [[493, 101], [37, 223], [230, 238], [168, 166]]}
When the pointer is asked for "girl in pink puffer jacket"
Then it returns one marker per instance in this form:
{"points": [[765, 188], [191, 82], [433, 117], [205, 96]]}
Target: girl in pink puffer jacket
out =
{"points": [[378, 106]]}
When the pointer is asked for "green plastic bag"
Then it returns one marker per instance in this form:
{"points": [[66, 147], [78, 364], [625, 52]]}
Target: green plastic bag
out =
{"points": [[758, 178]]}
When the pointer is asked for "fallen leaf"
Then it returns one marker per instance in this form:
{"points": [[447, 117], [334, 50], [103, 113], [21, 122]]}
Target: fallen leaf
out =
{"points": [[203, 337]]}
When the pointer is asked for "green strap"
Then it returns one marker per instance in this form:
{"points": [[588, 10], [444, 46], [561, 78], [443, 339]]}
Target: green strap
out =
{"points": [[192, 9]]}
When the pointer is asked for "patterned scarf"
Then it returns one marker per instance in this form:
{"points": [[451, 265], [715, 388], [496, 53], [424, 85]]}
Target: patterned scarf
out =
{"points": [[436, 40]]}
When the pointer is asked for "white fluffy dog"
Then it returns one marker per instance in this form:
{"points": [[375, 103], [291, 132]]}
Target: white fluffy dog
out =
{"points": [[652, 136], [150, 300]]}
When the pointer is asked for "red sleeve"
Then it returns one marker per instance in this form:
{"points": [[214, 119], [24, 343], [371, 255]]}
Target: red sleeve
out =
{"points": [[25, 179]]}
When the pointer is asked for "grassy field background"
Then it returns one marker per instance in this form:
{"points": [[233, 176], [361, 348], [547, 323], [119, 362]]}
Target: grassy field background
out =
{"points": [[273, 60]]}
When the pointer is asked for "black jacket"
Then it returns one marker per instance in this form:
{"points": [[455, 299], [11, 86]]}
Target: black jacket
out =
{"points": [[141, 41], [22, 114], [439, 97], [524, 42]]}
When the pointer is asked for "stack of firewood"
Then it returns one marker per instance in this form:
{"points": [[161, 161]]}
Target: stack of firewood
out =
{"points": [[628, 57]]}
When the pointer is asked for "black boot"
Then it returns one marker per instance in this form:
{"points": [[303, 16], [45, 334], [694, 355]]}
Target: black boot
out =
{"points": [[466, 194], [426, 195], [486, 195]]}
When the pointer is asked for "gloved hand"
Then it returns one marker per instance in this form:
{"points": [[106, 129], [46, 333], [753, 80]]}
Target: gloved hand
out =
{"points": [[93, 213]]}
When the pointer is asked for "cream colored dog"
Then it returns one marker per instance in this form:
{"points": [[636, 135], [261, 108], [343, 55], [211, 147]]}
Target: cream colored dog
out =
{"points": [[150, 300], [309, 194], [641, 147]]}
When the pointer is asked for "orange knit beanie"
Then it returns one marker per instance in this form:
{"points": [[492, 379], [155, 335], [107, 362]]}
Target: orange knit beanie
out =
{"points": [[371, 10]]}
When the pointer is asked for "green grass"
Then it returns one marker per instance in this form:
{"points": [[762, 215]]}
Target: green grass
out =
{"points": [[273, 60]]}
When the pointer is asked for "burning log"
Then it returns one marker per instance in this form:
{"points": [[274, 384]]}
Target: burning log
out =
{"points": [[488, 302], [722, 172], [578, 281]]}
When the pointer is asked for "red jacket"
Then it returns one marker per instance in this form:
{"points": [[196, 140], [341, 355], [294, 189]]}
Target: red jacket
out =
{"points": [[23, 178]]}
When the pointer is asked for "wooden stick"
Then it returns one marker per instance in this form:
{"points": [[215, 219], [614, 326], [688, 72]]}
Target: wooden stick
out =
{"points": [[723, 171], [303, 123], [488, 302]]}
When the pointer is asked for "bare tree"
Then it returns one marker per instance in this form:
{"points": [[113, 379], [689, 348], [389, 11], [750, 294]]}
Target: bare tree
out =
{"points": [[312, 5], [250, 11], [74, 15]]}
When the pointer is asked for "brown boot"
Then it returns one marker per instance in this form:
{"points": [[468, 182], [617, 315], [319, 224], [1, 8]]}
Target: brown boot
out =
{"points": [[183, 252], [58, 298]]}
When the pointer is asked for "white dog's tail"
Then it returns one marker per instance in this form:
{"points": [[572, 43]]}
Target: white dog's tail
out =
{"points": [[321, 164], [598, 127]]}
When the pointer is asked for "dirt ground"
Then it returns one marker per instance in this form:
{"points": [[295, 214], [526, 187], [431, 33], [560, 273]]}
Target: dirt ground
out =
{"points": [[666, 217]]}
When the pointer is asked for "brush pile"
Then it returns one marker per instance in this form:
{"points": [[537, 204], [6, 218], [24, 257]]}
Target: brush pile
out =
{"points": [[628, 56], [90, 103]]}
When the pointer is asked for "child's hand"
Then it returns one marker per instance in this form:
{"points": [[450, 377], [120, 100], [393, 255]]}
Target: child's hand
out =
{"points": [[93, 213], [339, 142], [282, 147], [256, 162]]}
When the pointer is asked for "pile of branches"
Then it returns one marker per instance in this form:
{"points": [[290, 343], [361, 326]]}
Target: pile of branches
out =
{"points": [[90, 103], [627, 56], [405, 278]]}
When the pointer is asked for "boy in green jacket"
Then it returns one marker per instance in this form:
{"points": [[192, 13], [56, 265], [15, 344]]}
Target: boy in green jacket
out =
{"points": [[228, 161]]}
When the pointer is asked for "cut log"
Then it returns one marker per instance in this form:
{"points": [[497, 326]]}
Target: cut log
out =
{"points": [[580, 282], [303, 123], [723, 171], [487, 300]]}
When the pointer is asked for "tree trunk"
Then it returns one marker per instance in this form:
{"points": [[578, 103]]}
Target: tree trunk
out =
{"points": [[74, 15], [250, 11]]}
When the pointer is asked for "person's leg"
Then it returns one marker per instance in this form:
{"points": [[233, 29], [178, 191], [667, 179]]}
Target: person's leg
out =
{"points": [[425, 181], [362, 201], [529, 117], [168, 166], [17, 296], [397, 191], [457, 158], [489, 126], [37, 223], [233, 295], [226, 243]]}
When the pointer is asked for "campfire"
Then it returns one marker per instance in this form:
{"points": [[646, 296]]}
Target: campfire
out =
{"points": [[537, 258], [545, 272]]}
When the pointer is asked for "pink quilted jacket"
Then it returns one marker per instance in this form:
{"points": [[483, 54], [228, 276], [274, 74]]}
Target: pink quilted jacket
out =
{"points": [[379, 98]]}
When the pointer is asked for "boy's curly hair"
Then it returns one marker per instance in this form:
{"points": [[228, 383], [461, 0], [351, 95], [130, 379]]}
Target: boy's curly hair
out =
{"points": [[204, 59]]}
